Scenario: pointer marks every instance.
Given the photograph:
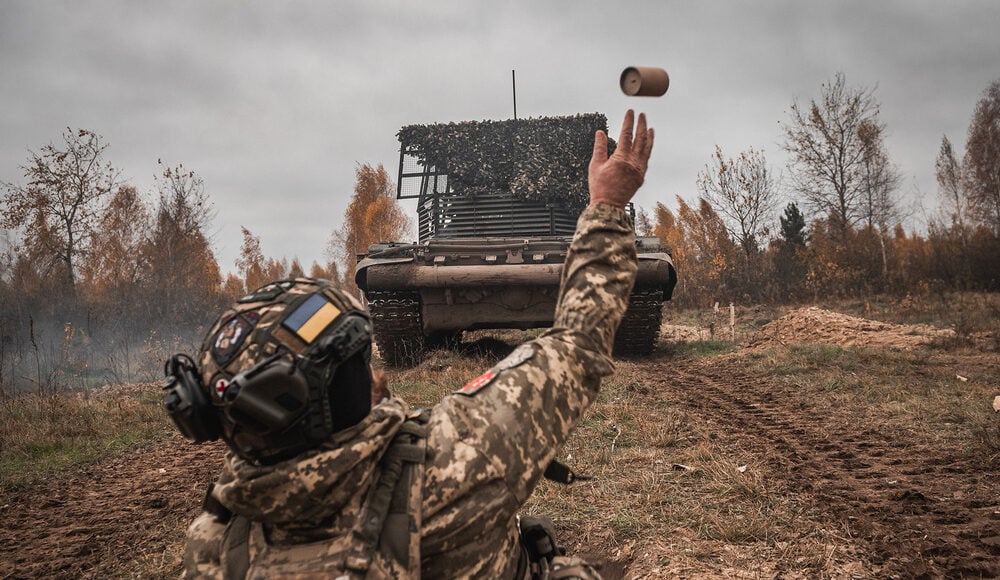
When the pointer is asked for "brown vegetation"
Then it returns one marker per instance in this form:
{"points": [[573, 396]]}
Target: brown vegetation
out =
{"points": [[94, 277], [835, 446], [372, 216], [804, 457]]}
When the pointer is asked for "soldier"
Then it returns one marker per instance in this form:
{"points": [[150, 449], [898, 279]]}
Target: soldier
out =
{"points": [[330, 476]]}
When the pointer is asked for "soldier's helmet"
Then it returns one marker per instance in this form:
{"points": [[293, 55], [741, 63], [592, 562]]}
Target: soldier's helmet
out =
{"points": [[278, 373]]}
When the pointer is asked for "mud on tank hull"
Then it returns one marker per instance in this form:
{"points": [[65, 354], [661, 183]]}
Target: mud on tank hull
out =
{"points": [[422, 296]]}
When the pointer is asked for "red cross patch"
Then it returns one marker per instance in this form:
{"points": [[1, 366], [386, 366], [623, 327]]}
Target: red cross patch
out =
{"points": [[220, 387]]}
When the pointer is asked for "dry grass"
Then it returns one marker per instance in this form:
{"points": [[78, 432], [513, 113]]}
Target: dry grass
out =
{"points": [[43, 434], [921, 392], [668, 499], [670, 495]]}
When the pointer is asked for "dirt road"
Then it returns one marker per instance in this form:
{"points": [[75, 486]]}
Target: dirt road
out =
{"points": [[910, 509], [913, 510]]}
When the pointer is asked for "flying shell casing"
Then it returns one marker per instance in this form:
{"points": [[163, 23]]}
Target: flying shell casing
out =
{"points": [[644, 81]]}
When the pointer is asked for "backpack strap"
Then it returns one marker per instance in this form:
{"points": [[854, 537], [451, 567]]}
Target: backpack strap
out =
{"points": [[235, 553], [400, 538], [391, 517]]}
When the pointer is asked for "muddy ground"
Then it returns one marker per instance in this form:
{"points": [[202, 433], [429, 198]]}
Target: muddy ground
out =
{"points": [[901, 509], [904, 510]]}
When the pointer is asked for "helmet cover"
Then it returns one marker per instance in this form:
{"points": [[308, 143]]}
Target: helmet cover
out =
{"points": [[286, 366]]}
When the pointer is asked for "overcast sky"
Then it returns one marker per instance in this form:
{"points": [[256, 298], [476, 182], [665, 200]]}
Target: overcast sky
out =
{"points": [[274, 103]]}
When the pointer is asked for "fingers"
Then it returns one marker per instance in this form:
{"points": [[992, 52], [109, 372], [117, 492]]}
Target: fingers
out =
{"points": [[600, 154], [625, 137], [648, 150], [639, 145]]}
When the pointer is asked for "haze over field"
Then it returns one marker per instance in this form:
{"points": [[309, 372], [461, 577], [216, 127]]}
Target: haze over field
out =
{"points": [[274, 104]]}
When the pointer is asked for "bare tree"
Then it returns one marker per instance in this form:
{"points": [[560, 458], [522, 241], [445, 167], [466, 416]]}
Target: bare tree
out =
{"points": [[60, 206], [644, 225], [182, 194], [834, 143], [742, 191], [879, 180], [952, 184], [982, 158]]}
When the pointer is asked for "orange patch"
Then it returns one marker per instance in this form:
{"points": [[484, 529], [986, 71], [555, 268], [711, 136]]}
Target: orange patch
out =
{"points": [[477, 383]]}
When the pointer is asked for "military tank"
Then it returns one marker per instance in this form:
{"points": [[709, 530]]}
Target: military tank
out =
{"points": [[497, 203]]}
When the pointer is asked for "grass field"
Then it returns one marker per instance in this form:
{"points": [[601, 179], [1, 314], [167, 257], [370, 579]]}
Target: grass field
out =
{"points": [[708, 459]]}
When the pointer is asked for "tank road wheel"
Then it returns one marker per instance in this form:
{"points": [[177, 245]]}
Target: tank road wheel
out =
{"points": [[397, 326], [640, 326]]}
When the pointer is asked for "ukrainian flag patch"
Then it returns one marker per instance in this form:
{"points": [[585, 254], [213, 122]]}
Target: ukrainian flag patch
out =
{"points": [[311, 317]]}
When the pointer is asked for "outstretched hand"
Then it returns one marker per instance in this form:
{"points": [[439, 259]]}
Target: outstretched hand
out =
{"points": [[614, 180]]}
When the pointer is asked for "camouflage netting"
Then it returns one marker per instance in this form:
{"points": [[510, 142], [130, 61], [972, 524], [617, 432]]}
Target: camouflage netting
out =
{"points": [[543, 159]]}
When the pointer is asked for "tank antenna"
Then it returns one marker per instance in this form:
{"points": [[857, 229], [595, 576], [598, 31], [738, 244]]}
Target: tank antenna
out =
{"points": [[513, 85]]}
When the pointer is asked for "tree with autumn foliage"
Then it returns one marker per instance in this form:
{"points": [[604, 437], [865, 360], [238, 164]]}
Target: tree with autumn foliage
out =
{"points": [[703, 252], [59, 207], [113, 272], [372, 216], [842, 261], [329, 272], [184, 278]]}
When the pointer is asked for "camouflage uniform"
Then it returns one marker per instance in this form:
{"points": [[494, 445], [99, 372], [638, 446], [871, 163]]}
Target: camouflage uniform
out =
{"points": [[488, 443]]}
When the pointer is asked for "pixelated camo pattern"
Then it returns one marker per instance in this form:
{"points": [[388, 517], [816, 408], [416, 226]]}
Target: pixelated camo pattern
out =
{"points": [[486, 452], [299, 504], [267, 336]]}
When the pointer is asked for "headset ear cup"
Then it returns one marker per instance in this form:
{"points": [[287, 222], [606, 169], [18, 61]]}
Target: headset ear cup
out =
{"points": [[187, 403]]}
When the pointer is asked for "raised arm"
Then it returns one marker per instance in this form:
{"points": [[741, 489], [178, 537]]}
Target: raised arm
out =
{"points": [[505, 426], [601, 265]]}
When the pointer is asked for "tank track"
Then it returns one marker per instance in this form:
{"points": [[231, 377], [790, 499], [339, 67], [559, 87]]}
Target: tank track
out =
{"points": [[397, 326], [640, 327]]}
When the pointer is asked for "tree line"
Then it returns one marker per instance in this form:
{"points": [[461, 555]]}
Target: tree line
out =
{"points": [[99, 281], [839, 232]]}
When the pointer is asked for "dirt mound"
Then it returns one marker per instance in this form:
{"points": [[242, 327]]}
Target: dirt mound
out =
{"points": [[814, 325]]}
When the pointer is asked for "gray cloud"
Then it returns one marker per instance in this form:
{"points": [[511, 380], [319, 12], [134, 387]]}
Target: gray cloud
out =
{"points": [[274, 104]]}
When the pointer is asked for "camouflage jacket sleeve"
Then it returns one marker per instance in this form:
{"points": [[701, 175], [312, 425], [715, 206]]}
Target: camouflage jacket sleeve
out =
{"points": [[491, 441], [202, 550]]}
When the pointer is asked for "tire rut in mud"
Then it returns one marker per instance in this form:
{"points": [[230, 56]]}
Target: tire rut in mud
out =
{"points": [[920, 511]]}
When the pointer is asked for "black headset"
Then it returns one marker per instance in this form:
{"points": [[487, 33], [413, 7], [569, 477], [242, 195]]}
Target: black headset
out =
{"points": [[279, 407], [186, 401]]}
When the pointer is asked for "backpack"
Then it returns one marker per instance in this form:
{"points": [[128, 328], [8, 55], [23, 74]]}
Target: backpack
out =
{"points": [[384, 543]]}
